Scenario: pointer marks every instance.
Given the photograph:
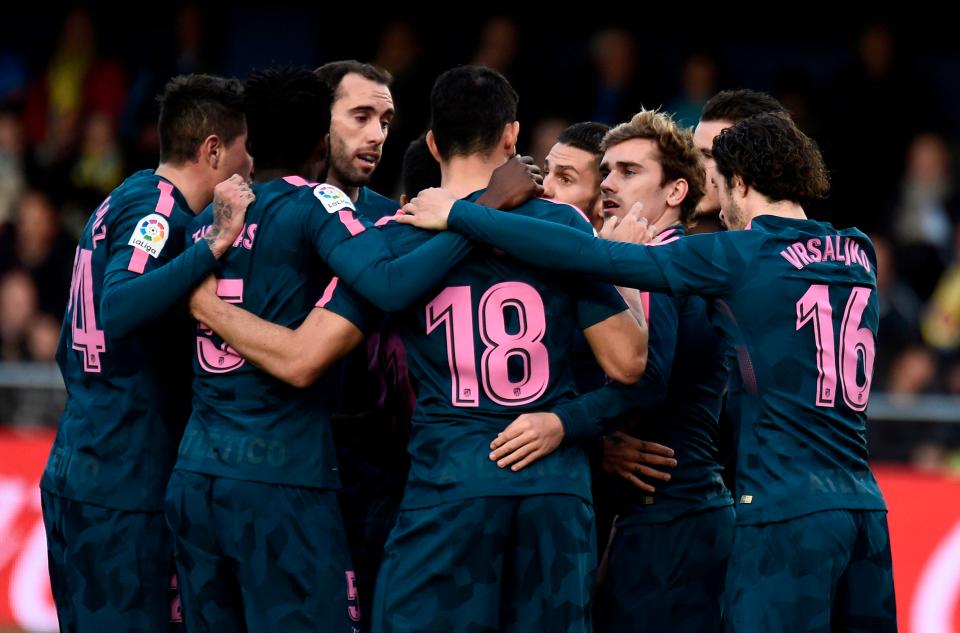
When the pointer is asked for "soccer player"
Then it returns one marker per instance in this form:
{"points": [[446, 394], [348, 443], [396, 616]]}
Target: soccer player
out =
{"points": [[572, 169], [721, 111], [370, 410], [126, 367], [651, 164], [797, 300], [259, 540], [367, 417], [360, 117], [476, 546]]}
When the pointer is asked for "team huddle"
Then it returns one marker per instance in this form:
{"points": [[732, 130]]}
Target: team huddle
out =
{"points": [[295, 404]]}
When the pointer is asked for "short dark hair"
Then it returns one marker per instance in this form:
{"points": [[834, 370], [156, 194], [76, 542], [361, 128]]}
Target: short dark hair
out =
{"points": [[469, 107], [736, 105], [192, 107], [420, 170], [774, 157], [288, 114], [332, 73], [587, 135]]}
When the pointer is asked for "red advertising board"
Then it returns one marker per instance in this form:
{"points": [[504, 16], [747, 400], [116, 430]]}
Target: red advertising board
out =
{"points": [[924, 527]]}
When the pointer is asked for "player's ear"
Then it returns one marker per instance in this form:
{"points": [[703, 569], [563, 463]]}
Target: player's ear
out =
{"points": [[210, 151], [737, 184], [323, 148], [678, 191], [511, 132], [432, 146]]}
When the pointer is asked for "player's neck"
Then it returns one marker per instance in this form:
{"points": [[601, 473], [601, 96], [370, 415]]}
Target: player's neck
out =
{"points": [[351, 190], [783, 209], [266, 175], [462, 175], [189, 182], [670, 217]]}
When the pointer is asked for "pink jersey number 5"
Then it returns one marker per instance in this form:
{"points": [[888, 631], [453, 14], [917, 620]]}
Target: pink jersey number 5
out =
{"points": [[222, 359]]}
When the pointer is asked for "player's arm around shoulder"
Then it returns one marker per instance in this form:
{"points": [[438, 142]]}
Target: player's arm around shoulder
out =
{"points": [[296, 356], [147, 266]]}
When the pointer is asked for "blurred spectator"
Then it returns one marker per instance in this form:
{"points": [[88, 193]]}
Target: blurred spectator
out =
{"points": [[400, 53], [399, 48], [925, 214], [699, 84], [55, 103], [191, 55], [864, 150], [499, 46], [941, 325], [12, 178], [76, 82], [159, 61], [38, 245], [952, 381], [928, 206], [42, 339], [913, 372], [99, 168], [543, 138], [616, 92], [899, 314], [18, 309], [929, 457], [796, 90]]}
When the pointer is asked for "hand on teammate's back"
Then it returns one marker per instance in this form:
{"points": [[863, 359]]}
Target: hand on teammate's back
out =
{"points": [[429, 210], [628, 456], [527, 439]]}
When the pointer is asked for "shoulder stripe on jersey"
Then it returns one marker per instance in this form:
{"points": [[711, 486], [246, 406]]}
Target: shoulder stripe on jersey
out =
{"points": [[389, 218], [346, 217], [138, 260], [351, 222], [328, 293], [165, 203], [297, 181]]}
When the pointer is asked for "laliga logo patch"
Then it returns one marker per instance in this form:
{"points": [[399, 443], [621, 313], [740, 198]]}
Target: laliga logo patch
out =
{"points": [[332, 199], [153, 230], [150, 234]]}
